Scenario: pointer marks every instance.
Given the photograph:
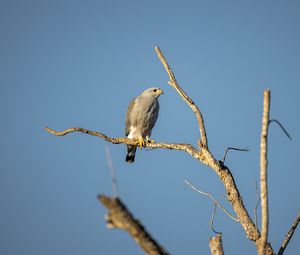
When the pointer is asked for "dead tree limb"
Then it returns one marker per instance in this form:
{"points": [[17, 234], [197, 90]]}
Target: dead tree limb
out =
{"points": [[119, 217], [203, 155], [263, 173], [154, 145], [215, 245]]}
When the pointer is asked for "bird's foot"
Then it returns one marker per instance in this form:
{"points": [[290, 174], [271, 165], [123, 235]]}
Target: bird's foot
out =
{"points": [[141, 143], [149, 140]]}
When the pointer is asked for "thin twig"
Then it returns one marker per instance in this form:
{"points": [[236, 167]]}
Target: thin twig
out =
{"points": [[232, 148], [212, 198], [173, 82], [211, 223], [282, 127], [257, 203], [112, 171], [289, 235], [263, 173], [120, 217]]}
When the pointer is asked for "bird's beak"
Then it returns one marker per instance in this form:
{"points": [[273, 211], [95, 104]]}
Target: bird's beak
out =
{"points": [[159, 92]]}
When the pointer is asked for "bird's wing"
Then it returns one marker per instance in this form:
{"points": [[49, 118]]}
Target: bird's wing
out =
{"points": [[154, 115], [129, 116]]}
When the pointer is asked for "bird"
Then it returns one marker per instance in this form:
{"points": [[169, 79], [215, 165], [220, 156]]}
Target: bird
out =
{"points": [[141, 117]]}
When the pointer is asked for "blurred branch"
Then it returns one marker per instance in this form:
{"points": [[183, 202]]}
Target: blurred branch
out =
{"points": [[215, 245], [119, 217], [289, 235], [263, 174], [112, 171]]}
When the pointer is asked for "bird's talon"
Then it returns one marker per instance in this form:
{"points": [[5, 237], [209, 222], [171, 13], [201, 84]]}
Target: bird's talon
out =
{"points": [[141, 143], [149, 140]]}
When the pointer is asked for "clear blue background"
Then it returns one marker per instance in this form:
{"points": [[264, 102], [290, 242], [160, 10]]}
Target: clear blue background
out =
{"points": [[79, 63]]}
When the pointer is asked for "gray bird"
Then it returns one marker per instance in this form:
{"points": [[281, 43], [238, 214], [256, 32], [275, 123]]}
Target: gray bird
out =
{"points": [[141, 116]]}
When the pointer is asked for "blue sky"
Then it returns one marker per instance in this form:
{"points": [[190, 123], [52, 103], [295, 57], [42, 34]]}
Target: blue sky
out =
{"points": [[79, 63]]}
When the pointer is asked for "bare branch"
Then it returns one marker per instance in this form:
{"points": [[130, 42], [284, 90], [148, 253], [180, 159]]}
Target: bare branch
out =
{"points": [[215, 245], [89, 132], [171, 146], [222, 171], [120, 217], [263, 173], [282, 127], [204, 156], [112, 171], [257, 203], [289, 235], [173, 82], [211, 223], [212, 198], [232, 148]]}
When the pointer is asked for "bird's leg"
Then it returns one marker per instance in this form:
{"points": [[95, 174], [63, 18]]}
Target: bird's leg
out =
{"points": [[149, 140]]}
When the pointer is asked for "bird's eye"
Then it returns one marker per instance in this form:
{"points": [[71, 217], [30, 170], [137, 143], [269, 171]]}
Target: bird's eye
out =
{"points": [[155, 90]]}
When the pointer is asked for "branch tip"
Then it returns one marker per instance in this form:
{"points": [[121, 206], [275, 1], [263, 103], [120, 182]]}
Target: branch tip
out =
{"points": [[263, 174]]}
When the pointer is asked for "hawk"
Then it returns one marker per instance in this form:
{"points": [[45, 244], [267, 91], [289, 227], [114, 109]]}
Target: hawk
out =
{"points": [[141, 116]]}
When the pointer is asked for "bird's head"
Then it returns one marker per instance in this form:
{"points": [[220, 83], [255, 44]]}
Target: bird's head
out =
{"points": [[154, 92]]}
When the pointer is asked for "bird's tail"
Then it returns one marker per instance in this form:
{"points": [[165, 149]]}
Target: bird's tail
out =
{"points": [[131, 149]]}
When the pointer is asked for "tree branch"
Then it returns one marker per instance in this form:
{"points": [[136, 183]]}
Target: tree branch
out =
{"points": [[263, 173], [120, 217], [215, 244], [173, 82], [171, 146], [204, 156], [289, 235], [220, 169]]}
